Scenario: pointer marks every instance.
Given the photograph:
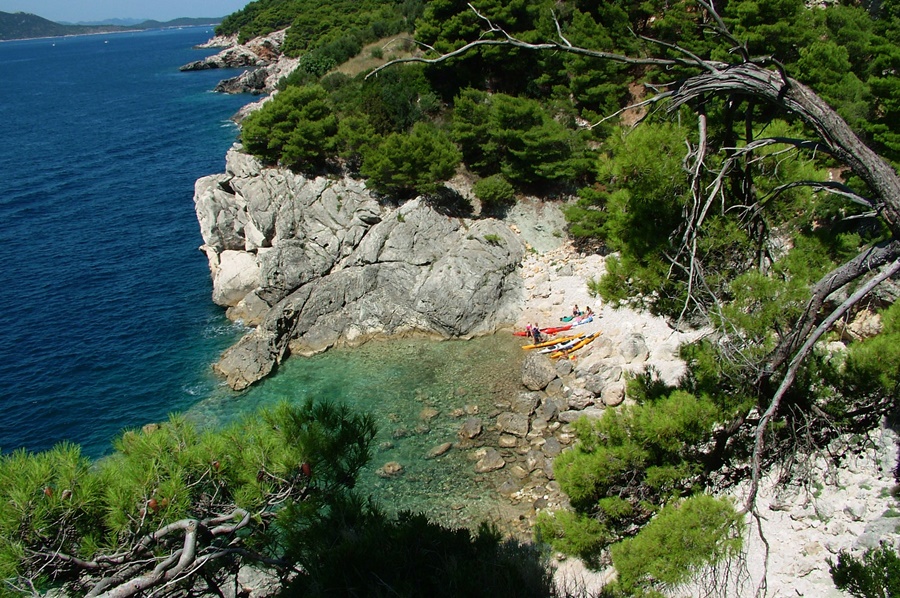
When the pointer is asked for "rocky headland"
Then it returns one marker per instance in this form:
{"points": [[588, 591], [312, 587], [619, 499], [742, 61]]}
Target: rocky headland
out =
{"points": [[311, 263], [261, 58]]}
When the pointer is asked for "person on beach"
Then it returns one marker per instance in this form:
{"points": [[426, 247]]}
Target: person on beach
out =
{"points": [[536, 333]]}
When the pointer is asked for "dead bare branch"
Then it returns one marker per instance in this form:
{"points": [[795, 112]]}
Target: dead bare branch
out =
{"points": [[721, 30], [564, 46], [836, 136], [798, 359], [832, 187], [653, 100]]}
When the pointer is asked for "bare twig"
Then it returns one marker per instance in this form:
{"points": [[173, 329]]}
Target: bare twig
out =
{"points": [[794, 367]]}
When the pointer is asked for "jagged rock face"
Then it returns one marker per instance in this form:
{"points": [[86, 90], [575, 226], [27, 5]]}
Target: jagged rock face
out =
{"points": [[234, 57], [261, 56], [316, 262]]}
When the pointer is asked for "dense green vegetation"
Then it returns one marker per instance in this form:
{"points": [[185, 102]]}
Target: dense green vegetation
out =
{"points": [[331, 32], [705, 224], [275, 490], [875, 575]]}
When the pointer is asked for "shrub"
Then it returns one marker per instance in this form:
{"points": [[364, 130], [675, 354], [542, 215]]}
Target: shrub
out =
{"points": [[417, 162], [58, 511], [516, 137], [297, 128], [875, 575], [680, 540], [494, 191]]}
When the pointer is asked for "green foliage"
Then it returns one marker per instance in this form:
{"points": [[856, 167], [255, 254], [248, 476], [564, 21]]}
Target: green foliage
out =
{"points": [[771, 27], [47, 501], [418, 162], [494, 191], [356, 137], [647, 187], [517, 138], [635, 208], [575, 534], [874, 575], [871, 368], [827, 69], [333, 28], [627, 446], [397, 99], [56, 502], [680, 540], [297, 128]]}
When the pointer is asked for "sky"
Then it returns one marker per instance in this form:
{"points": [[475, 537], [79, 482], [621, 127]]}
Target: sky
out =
{"points": [[73, 11]]}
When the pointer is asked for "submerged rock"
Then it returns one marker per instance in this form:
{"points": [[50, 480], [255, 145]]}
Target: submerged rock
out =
{"points": [[390, 469], [470, 429], [515, 424], [439, 450], [492, 461]]}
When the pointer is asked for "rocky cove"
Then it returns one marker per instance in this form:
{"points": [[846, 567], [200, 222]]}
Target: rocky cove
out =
{"points": [[324, 289], [318, 263]]}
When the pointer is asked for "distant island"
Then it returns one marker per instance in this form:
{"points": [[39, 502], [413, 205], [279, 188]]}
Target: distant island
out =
{"points": [[22, 25]]}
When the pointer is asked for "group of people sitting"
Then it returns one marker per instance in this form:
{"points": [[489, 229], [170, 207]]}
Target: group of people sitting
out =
{"points": [[582, 315], [579, 316]]}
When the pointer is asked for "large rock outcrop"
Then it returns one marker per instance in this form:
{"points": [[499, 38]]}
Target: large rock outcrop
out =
{"points": [[316, 262], [261, 56]]}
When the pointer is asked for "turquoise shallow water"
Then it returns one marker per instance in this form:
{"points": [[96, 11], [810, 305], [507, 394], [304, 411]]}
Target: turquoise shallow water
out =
{"points": [[395, 381]]}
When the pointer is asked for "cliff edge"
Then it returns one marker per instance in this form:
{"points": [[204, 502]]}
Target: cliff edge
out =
{"points": [[316, 262]]}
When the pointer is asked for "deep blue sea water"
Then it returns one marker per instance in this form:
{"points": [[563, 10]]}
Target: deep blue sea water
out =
{"points": [[105, 318]]}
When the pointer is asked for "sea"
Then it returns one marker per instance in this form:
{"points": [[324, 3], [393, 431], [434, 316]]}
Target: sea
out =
{"points": [[106, 318]]}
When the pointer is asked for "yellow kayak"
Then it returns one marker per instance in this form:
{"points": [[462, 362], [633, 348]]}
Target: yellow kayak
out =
{"points": [[551, 342], [575, 347]]}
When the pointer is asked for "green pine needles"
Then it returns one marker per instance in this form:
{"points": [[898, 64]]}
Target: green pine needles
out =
{"points": [[206, 498]]}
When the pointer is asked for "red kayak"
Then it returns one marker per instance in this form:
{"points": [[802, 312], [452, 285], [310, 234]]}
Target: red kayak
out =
{"points": [[553, 330]]}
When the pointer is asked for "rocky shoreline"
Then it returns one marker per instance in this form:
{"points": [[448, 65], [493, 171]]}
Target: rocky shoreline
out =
{"points": [[242, 214], [850, 506], [312, 263], [261, 57]]}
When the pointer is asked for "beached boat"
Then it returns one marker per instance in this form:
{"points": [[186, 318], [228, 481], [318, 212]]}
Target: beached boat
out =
{"points": [[553, 341], [564, 346], [575, 347], [551, 330]]}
